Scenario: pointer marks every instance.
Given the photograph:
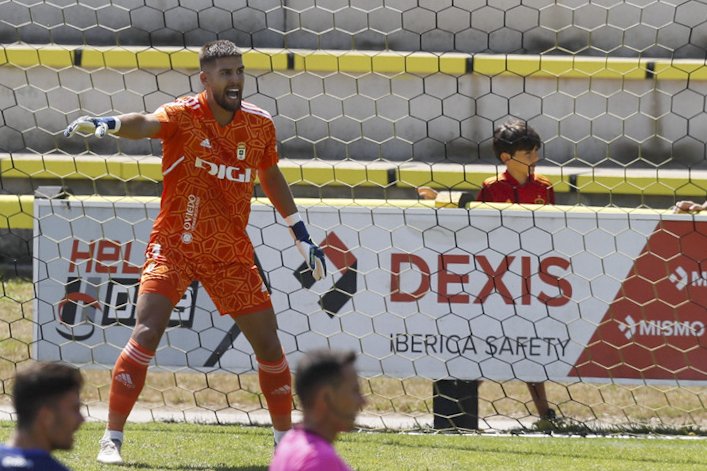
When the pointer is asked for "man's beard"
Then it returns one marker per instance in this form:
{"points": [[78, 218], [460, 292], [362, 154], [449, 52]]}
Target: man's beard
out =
{"points": [[224, 103]]}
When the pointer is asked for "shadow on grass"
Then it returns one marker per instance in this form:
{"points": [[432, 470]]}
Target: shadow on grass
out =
{"points": [[129, 465]]}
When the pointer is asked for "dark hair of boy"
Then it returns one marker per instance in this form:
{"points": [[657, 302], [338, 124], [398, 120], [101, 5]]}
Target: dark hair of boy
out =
{"points": [[515, 135]]}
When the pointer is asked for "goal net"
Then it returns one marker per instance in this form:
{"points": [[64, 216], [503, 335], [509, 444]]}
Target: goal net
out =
{"points": [[460, 311]]}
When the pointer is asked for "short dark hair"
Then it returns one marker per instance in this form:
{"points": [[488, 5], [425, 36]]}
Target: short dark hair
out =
{"points": [[514, 135], [217, 49], [319, 368], [41, 384]]}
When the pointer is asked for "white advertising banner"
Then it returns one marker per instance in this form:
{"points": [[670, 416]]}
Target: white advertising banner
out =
{"points": [[450, 293]]}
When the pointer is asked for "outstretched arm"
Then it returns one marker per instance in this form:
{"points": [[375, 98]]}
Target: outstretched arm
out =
{"points": [[131, 126], [277, 189]]}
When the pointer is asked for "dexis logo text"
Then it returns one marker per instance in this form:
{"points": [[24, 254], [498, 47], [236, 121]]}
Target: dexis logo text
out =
{"points": [[412, 277]]}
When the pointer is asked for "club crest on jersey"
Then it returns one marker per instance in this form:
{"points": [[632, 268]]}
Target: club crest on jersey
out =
{"points": [[240, 151]]}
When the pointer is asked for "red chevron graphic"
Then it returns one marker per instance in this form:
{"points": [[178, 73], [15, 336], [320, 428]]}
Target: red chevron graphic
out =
{"points": [[656, 326]]}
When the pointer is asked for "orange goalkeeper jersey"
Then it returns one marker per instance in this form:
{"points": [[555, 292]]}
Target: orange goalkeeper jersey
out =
{"points": [[208, 177]]}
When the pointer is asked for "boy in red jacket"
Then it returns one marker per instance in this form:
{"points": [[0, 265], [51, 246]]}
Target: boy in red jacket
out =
{"points": [[517, 146]]}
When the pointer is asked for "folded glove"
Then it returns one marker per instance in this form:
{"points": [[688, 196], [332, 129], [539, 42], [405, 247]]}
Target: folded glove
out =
{"points": [[97, 126], [313, 254]]}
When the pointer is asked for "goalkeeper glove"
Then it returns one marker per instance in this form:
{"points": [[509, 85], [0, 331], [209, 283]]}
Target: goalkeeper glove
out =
{"points": [[313, 254], [98, 126]]}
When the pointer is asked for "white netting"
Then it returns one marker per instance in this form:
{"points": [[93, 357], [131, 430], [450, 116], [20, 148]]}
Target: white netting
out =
{"points": [[372, 100]]}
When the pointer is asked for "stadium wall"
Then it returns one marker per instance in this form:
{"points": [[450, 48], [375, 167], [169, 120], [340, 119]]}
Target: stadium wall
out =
{"points": [[620, 28], [397, 107]]}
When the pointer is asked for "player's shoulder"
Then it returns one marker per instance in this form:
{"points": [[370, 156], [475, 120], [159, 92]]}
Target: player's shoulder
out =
{"points": [[15, 458], [316, 458], [255, 111], [542, 180], [187, 103], [494, 180]]}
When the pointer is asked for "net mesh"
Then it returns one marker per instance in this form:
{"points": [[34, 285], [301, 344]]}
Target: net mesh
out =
{"points": [[373, 100]]}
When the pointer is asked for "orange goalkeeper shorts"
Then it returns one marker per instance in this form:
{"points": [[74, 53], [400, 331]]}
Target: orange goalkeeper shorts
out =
{"points": [[235, 288]]}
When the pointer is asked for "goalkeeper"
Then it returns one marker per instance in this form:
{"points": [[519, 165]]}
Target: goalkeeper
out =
{"points": [[214, 144]]}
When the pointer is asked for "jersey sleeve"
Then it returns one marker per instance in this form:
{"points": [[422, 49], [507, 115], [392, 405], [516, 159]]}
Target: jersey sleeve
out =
{"points": [[167, 115], [270, 156], [484, 193]]}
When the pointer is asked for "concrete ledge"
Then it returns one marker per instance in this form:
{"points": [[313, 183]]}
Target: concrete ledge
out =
{"points": [[339, 173], [657, 182], [384, 62], [58, 57], [80, 167], [16, 212], [321, 173], [361, 62], [569, 66], [149, 168]]}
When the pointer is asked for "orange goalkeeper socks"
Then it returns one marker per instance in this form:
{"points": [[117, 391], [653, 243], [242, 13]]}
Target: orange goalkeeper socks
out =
{"points": [[276, 385], [128, 380]]}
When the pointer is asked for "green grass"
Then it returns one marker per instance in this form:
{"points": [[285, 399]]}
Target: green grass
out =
{"points": [[228, 448]]}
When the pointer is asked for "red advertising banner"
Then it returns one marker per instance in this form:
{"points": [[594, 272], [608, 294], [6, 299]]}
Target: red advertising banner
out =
{"points": [[655, 328]]}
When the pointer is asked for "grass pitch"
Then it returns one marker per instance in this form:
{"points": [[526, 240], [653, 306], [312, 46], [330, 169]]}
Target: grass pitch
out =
{"points": [[160, 446], [173, 446]]}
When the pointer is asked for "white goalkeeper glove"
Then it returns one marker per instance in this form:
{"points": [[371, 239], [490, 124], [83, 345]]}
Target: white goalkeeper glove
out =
{"points": [[97, 126], [313, 254]]}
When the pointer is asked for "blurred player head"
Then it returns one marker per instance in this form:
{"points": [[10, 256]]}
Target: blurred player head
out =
{"points": [[46, 397], [222, 73], [517, 145], [327, 386]]}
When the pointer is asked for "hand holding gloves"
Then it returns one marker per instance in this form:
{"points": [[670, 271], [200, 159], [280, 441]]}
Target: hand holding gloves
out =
{"points": [[313, 254]]}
